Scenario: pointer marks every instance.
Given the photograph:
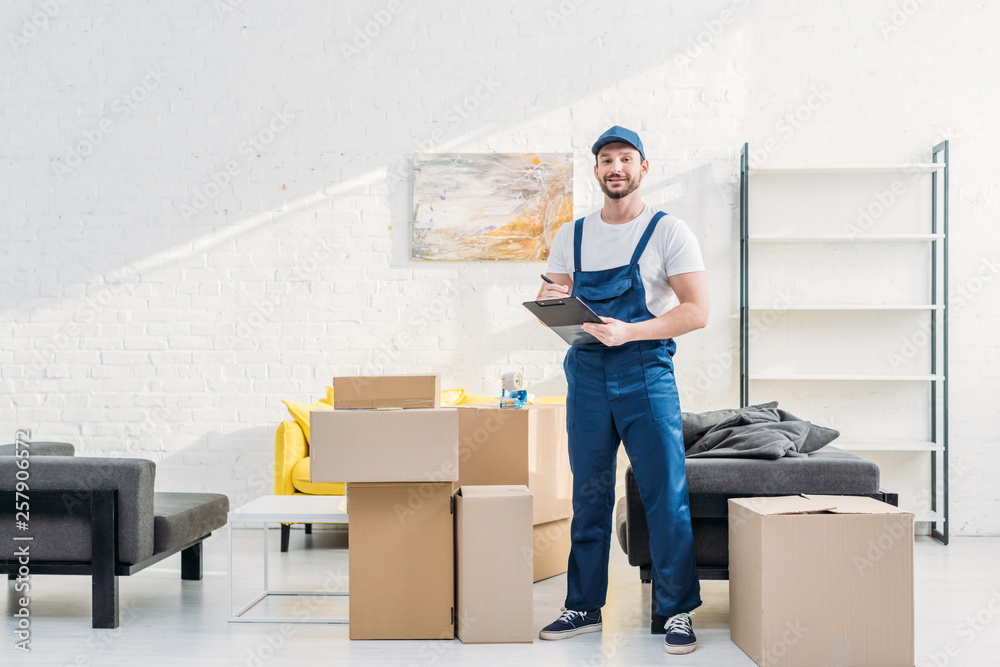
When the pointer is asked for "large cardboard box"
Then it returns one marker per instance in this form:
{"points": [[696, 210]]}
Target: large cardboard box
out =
{"points": [[821, 580], [550, 547], [401, 561], [493, 537], [387, 391], [526, 446], [417, 445]]}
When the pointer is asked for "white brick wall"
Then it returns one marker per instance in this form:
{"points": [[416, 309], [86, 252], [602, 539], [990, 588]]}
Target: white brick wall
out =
{"points": [[234, 230]]}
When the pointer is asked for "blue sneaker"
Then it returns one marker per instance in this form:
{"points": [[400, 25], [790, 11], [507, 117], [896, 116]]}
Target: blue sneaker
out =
{"points": [[572, 623], [680, 637]]}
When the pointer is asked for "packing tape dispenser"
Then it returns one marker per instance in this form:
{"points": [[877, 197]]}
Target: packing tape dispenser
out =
{"points": [[513, 395]]}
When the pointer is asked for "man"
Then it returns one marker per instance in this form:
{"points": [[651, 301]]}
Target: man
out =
{"points": [[642, 272]]}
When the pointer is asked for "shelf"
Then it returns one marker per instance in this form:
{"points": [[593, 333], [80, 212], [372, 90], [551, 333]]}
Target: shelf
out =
{"points": [[849, 378], [885, 445], [922, 167], [875, 307], [784, 225], [846, 238]]}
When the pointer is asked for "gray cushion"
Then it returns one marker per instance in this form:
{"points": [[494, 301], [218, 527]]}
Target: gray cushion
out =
{"points": [[68, 538], [697, 424], [818, 437], [181, 518], [828, 471], [41, 449]]}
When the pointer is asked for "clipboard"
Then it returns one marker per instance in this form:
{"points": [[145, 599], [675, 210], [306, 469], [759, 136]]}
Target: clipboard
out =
{"points": [[566, 318]]}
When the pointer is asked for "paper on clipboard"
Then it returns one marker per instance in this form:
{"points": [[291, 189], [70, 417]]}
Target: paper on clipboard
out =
{"points": [[566, 317]]}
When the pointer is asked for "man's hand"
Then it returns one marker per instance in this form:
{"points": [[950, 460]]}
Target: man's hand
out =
{"points": [[612, 333], [553, 292], [560, 287]]}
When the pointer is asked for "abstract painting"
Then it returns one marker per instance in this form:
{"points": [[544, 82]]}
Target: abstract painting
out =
{"points": [[479, 206]]}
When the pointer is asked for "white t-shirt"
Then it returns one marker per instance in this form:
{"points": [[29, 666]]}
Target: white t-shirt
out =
{"points": [[673, 249]]}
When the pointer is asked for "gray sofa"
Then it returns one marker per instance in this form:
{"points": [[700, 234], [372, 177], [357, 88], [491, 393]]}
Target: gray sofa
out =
{"points": [[712, 481], [101, 517]]}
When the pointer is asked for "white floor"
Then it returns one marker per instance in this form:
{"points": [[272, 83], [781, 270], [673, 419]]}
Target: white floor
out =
{"points": [[168, 622]]}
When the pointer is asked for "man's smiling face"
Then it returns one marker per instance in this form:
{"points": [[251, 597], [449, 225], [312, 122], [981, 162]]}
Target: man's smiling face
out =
{"points": [[619, 169]]}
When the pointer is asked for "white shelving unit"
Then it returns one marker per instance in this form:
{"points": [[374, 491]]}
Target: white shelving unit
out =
{"points": [[893, 350]]}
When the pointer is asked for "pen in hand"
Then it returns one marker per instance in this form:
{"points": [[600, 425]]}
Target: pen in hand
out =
{"points": [[558, 287]]}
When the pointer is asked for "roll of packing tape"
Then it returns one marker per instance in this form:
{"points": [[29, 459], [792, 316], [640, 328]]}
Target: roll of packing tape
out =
{"points": [[513, 381]]}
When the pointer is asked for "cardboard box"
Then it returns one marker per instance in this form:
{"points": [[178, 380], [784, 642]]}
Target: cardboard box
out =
{"points": [[401, 560], [550, 546], [384, 445], [387, 391], [526, 446], [493, 555], [821, 580]]}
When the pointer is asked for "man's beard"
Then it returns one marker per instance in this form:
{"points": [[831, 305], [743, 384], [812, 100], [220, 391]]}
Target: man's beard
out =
{"points": [[631, 186]]}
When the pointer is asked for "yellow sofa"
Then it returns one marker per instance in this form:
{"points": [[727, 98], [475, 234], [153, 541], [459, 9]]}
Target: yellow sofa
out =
{"points": [[291, 458]]}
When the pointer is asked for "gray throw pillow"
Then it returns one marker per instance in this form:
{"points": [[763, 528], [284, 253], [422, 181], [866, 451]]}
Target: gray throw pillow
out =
{"points": [[819, 436], [697, 424]]}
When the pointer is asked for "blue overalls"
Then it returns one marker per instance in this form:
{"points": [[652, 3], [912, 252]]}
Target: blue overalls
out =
{"points": [[626, 394]]}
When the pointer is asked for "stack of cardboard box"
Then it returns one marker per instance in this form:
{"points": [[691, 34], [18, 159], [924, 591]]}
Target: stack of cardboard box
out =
{"points": [[397, 449], [400, 454]]}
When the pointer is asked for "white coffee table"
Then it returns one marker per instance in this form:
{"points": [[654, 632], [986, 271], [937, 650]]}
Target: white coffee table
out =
{"points": [[283, 509]]}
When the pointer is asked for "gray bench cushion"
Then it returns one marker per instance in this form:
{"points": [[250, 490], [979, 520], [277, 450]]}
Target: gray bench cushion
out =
{"points": [[181, 518], [827, 471], [68, 538]]}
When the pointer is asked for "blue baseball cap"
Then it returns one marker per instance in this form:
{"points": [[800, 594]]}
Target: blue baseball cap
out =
{"points": [[619, 133]]}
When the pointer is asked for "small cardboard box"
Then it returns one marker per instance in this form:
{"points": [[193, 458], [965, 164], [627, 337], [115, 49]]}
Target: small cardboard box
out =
{"points": [[493, 555], [401, 561], [821, 580], [526, 446], [550, 546], [387, 391], [417, 445]]}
